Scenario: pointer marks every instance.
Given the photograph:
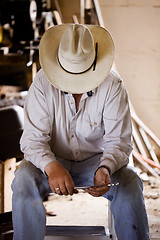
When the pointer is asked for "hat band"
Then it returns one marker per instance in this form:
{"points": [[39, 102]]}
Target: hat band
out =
{"points": [[93, 64]]}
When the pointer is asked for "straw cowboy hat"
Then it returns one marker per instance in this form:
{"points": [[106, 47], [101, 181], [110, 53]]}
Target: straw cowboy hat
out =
{"points": [[76, 58]]}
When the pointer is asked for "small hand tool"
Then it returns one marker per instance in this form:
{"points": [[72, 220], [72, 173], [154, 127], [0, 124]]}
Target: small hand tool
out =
{"points": [[98, 186]]}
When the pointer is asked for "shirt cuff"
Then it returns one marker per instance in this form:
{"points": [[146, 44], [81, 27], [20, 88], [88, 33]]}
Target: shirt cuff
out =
{"points": [[104, 167], [108, 163], [43, 163]]}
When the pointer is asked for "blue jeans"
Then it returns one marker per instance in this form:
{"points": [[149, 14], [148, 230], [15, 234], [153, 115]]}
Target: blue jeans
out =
{"points": [[30, 186]]}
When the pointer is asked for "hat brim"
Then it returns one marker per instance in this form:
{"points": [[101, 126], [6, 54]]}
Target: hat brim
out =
{"points": [[69, 82]]}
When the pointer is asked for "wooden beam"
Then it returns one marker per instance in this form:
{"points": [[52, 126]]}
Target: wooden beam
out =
{"points": [[7, 169], [146, 129], [1, 187], [98, 12], [148, 144], [144, 164], [139, 141]]}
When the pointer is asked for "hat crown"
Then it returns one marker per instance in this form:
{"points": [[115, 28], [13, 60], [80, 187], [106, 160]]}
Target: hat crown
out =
{"points": [[76, 51]]}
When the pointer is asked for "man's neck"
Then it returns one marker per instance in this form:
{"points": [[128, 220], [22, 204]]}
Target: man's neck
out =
{"points": [[77, 98]]}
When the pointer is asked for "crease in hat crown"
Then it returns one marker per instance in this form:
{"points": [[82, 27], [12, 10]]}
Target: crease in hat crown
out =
{"points": [[76, 52]]}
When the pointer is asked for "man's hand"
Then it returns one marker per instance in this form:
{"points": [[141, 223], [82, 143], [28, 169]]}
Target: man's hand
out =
{"points": [[60, 180], [101, 178]]}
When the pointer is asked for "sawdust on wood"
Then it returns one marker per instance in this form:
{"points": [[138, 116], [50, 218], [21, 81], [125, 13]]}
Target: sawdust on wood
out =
{"points": [[83, 209]]}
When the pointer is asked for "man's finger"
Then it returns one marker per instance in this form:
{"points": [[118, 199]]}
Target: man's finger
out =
{"points": [[98, 190], [96, 193], [57, 190], [63, 189], [69, 188]]}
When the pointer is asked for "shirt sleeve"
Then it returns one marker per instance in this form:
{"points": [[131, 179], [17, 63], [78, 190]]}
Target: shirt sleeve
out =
{"points": [[37, 128], [118, 128]]}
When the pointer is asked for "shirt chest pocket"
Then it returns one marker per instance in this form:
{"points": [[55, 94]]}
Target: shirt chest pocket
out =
{"points": [[94, 127]]}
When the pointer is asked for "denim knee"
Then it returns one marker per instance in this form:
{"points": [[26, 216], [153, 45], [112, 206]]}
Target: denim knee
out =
{"points": [[26, 177], [127, 176], [129, 182]]}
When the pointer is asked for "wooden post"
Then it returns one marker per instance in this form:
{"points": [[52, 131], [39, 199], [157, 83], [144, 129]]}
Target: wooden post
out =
{"points": [[145, 165], [99, 14], [82, 11], [148, 144], [1, 187], [7, 169], [139, 141]]}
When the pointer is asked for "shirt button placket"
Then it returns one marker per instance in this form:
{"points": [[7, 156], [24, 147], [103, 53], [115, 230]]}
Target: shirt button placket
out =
{"points": [[73, 140]]}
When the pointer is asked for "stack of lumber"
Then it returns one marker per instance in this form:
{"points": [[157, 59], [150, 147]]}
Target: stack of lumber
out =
{"points": [[146, 147]]}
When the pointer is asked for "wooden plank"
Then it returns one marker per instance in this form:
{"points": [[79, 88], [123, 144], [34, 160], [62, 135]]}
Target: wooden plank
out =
{"points": [[148, 144], [1, 187], [75, 19], [149, 161], [139, 141], [9, 168], [82, 11], [145, 165], [57, 17], [98, 12], [56, 2], [146, 129]]}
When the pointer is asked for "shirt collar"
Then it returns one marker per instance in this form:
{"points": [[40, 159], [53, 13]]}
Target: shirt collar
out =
{"points": [[84, 95], [90, 93]]}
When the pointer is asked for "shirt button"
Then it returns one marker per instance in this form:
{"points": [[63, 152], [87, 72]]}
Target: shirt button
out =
{"points": [[95, 123], [76, 153], [72, 135], [74, 119], [71, 102]]}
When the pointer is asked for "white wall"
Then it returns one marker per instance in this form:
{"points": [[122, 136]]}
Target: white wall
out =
{"points": [[135, 27]]}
